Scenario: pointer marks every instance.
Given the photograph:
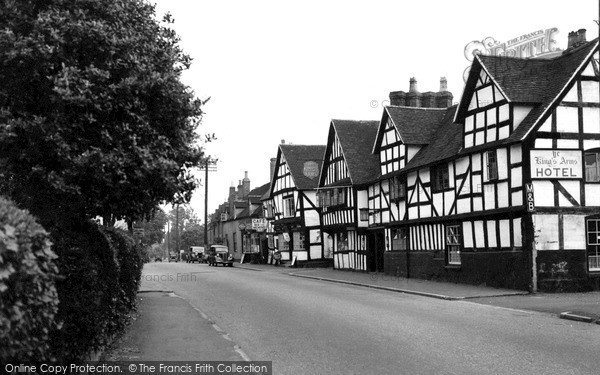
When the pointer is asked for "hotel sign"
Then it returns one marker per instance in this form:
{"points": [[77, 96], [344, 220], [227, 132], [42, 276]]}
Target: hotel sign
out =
{"points": [[556, 164]]}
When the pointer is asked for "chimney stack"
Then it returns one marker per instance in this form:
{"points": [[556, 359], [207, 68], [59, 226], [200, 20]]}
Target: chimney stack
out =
{"points": [[246, 184], [581, 36], [576, 38], [413, 99], [283, 141]]}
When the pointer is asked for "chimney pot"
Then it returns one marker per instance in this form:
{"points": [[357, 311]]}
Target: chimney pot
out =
{"points": [[283, 141], [581, 36], [413, 85], [443, 84]]}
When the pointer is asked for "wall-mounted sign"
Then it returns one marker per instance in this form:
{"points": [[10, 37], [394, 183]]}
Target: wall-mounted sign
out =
{"points": [[242, 226], [311, 169], [259, 225], [286, 237], [529, 202], [223, 217], [556, 164]]}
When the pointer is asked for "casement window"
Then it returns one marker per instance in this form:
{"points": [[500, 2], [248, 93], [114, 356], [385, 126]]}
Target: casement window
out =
{"points": [[288, 207], [491, 165], [453, 244], [400, 239], [298, 240], [269, 211], [397, 188], [440, 179], [332, 197], [593, 244], [592, 165]]}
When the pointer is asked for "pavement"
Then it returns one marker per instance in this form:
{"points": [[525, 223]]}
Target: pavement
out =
{"points": [[157, 332]]}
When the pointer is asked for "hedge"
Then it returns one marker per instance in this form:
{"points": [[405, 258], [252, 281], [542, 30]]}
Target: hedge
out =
{"points": [[130, 258], [28, 295], [88, 292]]}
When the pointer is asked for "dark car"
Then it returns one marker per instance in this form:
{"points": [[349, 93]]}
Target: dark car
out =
{"points": [[158, 259], [219, 254]]}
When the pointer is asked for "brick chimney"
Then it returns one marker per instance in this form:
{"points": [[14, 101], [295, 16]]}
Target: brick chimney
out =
{"points": [[398, 98], [413, 97], [428, 100], [576, 38], [246, 184]]}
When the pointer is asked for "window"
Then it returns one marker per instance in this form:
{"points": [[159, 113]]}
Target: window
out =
{"points": [[364, 214], [397, 188], [440, 179], [288, 207], [234, 242], [593, 244], [332, 197], [269, 212], [298, 240], [342, 241], [453, 244], [283, 244], [400, 239], [492, 165], [592, 165]]}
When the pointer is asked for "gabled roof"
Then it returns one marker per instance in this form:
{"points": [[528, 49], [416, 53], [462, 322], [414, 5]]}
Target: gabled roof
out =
{"points": [[445, 142], [415, 125], [301, 161], [356, 139], [538, 82]]}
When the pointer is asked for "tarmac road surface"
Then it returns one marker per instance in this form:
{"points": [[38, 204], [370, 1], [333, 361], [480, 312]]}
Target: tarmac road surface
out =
{"points": [[314, 327]]}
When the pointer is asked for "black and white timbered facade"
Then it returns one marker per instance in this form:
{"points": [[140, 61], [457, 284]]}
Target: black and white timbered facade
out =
{"points": [[291, 207], [503, 189], [342, 196]]}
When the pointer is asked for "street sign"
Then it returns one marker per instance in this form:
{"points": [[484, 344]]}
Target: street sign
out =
{"points": [[242, 226]]}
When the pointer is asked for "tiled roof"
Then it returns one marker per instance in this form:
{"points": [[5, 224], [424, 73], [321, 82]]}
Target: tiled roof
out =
{"points": [[259, 191], [537, 82], [415, 125], [298, 158], [356, 139], [445, 142]]}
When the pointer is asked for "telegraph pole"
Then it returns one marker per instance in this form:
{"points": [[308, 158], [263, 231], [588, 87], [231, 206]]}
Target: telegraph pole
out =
{"points": [[210, 165]]}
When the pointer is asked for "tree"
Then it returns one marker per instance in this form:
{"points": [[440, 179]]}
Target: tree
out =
{"points": [[154, 228], [191, 232], [94, 119]]}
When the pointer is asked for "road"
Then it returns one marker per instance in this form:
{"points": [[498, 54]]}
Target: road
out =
{"points": [[314, 327]]}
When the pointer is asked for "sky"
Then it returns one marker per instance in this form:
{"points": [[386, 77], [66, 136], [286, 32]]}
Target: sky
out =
{"points": [[281, 70]]}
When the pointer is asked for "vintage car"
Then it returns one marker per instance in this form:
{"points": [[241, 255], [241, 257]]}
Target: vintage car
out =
{"points": [[219, 254]]}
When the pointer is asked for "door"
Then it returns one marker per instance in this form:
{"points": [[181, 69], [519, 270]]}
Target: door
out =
{"points": [[375, 251]]}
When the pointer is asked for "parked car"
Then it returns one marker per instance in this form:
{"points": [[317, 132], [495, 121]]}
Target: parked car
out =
{"points": [[219, 254], [195, 254], [158, 259]]}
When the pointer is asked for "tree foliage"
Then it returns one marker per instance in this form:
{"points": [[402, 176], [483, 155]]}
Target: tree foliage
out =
{"points": [[94, 119]]}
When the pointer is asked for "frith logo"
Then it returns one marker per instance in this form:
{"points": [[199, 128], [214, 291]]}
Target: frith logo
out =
{"points": [[534, 44]]}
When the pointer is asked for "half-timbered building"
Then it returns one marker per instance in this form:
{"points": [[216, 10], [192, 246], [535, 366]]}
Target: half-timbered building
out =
{"points": [[506, 190], [348, 168], [291, 206]]}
